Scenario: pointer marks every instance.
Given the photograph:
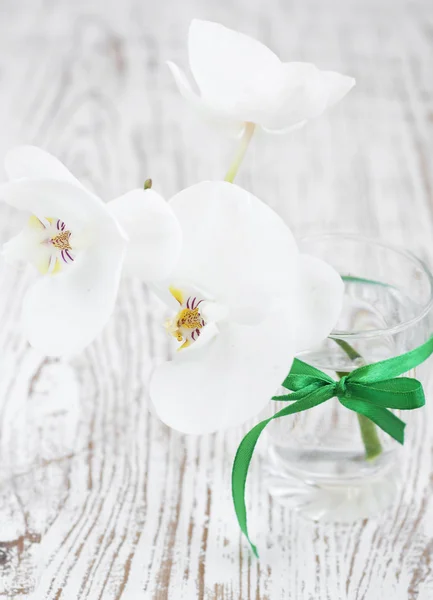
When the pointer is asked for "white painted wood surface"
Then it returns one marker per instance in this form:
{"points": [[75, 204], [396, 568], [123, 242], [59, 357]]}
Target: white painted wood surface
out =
{"points": [[98, 500]]}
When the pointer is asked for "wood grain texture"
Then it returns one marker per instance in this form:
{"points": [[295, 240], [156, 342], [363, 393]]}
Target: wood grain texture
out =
{"points": [[98, 500]]}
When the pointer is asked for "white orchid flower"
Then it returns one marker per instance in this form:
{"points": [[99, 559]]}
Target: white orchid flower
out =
{"points": [[79, 244], [242, 83], [244, 302]]}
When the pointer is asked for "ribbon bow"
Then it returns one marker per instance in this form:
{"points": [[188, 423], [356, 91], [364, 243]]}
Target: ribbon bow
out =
{"points": [[370, 391]]}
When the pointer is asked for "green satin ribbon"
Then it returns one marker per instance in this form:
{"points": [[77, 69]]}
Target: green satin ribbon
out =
{"points": [[370, 390]]}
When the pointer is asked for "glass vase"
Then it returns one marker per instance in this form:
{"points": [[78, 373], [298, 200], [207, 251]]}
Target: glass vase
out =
{"points": [[327, 463]]}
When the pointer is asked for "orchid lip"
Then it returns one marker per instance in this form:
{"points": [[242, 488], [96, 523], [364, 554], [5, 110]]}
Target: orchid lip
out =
{"points": [[188, 323], [61, 243], [57, 239]]}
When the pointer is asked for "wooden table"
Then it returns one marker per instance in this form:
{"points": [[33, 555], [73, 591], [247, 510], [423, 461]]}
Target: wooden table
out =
{"points": [[99, 500]]}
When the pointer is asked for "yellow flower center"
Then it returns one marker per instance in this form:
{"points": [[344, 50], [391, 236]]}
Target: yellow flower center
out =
{"points": [[187, 324], [189, 318], [61, 240]]}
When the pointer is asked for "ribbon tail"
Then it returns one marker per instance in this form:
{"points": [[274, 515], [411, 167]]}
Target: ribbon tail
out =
{"points": [[245, 451], [393, 367], [241, 465], [383, 417]]}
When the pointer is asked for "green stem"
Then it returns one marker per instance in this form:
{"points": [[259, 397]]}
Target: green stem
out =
{"points": [[370, 438], [239, 157], [369, 435]]}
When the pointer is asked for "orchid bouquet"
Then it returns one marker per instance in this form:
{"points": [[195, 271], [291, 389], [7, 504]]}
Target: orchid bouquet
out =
{"points": [[243, 300]]}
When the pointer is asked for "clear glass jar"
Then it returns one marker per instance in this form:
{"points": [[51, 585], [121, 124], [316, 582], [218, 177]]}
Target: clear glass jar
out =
{"points": [[316, 460]]}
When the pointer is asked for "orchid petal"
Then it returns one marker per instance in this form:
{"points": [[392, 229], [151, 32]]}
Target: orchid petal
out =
{"points": [[235, 247], [154, 233], [232, 127], [63, 313], [185, 87], [307, 93], [30, 162], [228, 381], [27, 246], [318, 302], [232, 68], [58, 199], [284, 130], [336, 85]]}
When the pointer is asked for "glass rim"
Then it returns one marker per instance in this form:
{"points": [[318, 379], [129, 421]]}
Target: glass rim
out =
{"points": [[371, 333]]}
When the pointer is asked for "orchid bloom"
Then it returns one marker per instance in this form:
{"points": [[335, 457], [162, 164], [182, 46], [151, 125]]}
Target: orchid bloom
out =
{"points": [[242, 83], [79, 245], [243, 301]]}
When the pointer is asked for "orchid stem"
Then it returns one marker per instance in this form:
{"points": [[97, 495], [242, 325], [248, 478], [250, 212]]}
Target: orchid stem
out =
{"points": [[240, 154], [369, 435]]}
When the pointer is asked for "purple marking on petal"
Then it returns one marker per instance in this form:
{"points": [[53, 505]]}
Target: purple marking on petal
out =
{"points": [[58, 224], [187, 303], [197, 331], [203, 323], [193, 335], [193, 303], [66, 256], [199, 302]]}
